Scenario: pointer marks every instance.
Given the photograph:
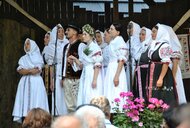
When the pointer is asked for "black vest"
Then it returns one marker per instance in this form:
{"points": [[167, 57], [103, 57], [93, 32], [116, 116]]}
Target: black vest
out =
{"points": [[73, 50]]}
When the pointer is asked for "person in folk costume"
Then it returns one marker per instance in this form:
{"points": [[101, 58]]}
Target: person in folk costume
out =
{"points": [[57, 34], [31, 92], [105, 52], [133, 31], [161, 81], [46, 68], [116, 76], [71, 73], [90, 63], [176, 57], [100, 39], [142, 65]]}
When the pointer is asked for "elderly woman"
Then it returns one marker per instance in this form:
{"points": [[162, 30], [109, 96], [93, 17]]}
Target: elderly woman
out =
{"points": [[103, 103], [115, 76], [37, 118], [90, 62], [31, 92], [142, 66], [161, 82]]}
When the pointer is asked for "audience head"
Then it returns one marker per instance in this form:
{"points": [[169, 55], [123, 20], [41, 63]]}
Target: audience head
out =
{"points": [[69, 121], [178, 117], [103, 103], [37, 118], [91, 116]]}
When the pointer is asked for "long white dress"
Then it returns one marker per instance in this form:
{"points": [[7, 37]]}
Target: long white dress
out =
{"points": [[117, 51], [94, 58], [135, 47], [31, 91], [60, 106], [177, 53]]}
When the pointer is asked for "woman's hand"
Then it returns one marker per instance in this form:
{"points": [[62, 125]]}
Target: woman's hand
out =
{"points": [[34, 71], [159, 83], [116, 81], [94, 83]]}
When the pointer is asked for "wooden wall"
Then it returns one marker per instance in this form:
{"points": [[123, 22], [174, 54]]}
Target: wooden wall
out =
{"points": [[12, 37]]}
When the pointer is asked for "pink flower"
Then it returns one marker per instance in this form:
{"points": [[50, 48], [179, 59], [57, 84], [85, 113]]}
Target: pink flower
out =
{"points": [[153, 100], [129, 94], [165, 106], [140, 124], [139, 100], [159, 103], [135, 118], [117, 100], [125, 106], [151, 106], [122, 94], [130, 114]]}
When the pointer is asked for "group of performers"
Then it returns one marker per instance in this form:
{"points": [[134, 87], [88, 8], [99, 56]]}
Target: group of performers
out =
{"points": [[78, 65]]}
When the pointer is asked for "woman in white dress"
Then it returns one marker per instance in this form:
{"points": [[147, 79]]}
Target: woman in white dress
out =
{"points": [[105, 52], [176, 57], [31, 91], [133, 31], [59, 104], [115, 80], [90, 63]]}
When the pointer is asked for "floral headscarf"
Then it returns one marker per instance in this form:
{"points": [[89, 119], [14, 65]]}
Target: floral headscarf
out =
{"points": [[88, 29]]}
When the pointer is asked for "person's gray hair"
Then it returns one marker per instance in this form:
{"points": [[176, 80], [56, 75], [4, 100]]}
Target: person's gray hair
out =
{"points": [[86, 112]]}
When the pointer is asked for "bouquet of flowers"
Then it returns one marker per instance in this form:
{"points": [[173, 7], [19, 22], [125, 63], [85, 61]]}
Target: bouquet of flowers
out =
{"points": [[87, 51], [136, 114]]}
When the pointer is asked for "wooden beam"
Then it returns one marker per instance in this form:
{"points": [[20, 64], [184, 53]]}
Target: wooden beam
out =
{"points": [[40, 24], [182, 20]]}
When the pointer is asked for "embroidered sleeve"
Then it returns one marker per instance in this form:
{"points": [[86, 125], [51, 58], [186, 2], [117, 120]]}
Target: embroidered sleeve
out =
{"points": [[122, 53], [165, 53], [97, 58], [176, 55]]}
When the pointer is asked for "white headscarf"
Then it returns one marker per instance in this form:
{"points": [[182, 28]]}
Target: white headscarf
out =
{"points": [[147, 40], [103, 44], [162, 34], [32, 58], [54, 33], [174, 41], [136, 29], [135, 41]]}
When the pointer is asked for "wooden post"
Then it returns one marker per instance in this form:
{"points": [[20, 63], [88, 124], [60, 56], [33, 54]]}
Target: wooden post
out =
{"points": [[115, 10], [130, 11], [107, 12]]}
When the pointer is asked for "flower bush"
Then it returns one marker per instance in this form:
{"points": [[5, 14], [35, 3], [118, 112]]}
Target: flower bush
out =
{"points": [[135, 113]]}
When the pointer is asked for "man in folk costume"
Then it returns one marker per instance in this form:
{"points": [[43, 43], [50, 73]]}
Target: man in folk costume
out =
{"points": [[70, 72], [55, 47]]}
